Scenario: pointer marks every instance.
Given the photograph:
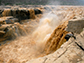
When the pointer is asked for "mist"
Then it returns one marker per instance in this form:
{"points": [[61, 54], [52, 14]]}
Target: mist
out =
{"points": [[42, 2], [54, 2]]}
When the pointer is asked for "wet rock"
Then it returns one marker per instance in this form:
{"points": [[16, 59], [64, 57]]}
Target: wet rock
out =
{"points": [[37, 11], [67, 37], [8, 17], [2, 33], [3, 27], [47, 8], [9, 21], [22, 14], [13, 19], [4, 20], [1, 13]]}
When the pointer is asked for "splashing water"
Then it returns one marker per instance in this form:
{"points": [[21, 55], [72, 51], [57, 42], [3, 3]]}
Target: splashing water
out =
{"points": [[46, 25]]}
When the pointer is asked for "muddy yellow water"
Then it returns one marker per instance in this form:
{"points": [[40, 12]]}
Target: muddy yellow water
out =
{"points": [[47, 35]]}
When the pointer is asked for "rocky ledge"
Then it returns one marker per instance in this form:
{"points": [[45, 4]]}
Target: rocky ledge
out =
{"points": [[72, 51]]}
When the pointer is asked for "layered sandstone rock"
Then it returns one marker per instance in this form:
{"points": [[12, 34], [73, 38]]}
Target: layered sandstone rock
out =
{"points": [[75, 25]]}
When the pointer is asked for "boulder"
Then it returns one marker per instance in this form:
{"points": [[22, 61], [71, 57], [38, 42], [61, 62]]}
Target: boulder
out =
{"points": [[75, 25]]}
